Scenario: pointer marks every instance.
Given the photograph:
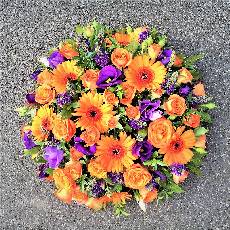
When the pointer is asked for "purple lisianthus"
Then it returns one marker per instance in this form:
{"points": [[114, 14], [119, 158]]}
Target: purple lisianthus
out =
{"points": [[54, 156], [98, 188], [55, 58], [148, 110], [35, 74], [41, 170], [158, 174], [184, 90], [143, 35], [137, 124], [63, 99], [30, 97], [165, 56], [80, 146], [27, 140], [109, 76], [116, 177], [143, 150], [101, 59], [177, 169]]}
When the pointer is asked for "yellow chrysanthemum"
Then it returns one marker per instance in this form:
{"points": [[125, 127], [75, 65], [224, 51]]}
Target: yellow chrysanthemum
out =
{"points": [[42, 123], [143, 74], [64, 71], [94, 112]]}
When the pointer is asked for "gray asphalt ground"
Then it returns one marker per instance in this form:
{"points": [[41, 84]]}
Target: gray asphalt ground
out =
{"points": [[30, 28]]}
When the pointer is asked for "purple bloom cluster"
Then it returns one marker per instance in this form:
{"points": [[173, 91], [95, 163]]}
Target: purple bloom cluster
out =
{"points": [[109, 76], [80, 146], [184, 90], [35, 74], [98, 188], [30, 97], [102, 59], [177, 169], [143, 150], [116, 177], [169, 85], [148, 110], [55, 58], [63, 99], [165, 56], [41, 170], [27, 140], [143, 36], [137, 124], [54, 156]]}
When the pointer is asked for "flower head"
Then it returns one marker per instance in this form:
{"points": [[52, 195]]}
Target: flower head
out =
{"points": [[165, 56], [143, 150], [101, 59], [54, 156], [184, 90], [27, 139], [30, 97], [114, 154], [148, 109], [109, 76], [116, 177], [55, 58], [41, 170], [143, 35], [63, 99], [81, 147], [98, 189]]}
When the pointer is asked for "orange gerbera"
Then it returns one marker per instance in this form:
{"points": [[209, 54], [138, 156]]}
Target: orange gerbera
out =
{"points": [[93, 112], [120, 197], [68, 51], [122, 39], [64, 71], [115, 154], [177, 150], [42, 123], [143, 74]]}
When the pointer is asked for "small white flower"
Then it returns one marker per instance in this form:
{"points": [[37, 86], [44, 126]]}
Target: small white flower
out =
{"points": [[142, 205], [44, 61]]}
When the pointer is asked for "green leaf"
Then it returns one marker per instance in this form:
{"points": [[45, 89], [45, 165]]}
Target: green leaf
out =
{"points": [[26, 111], [200, 131], [49, 171], [119, 126], [171, 118], [210, 105], [190, 61], [32, 151], [205, 117], [201, 151], [117, 188], [162, 40], [132, 47]]}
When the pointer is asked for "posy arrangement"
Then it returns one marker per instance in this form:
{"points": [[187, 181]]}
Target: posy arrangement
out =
{"points": [[116, 115]]}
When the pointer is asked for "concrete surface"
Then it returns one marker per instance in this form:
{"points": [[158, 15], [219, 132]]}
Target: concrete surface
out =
{"points": [[29, 28]]}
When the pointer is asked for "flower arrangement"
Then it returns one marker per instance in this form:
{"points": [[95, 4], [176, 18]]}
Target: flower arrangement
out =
{"points": [[116, 115]]}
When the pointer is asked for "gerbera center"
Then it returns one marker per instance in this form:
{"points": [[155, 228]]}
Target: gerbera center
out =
{"points": [[177, 145], [145, 75]]}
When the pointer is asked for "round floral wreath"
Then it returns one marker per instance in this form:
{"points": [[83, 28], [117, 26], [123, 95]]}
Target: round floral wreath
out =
{"points": [[115, 115]]}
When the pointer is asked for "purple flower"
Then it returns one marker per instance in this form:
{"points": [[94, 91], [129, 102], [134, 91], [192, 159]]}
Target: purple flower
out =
{"points": [[116, 177], [55, 58], [102, 59], [41, 170], [143, 35], [63, 99], [109, 76], [54, 156], [35, 74], [80, 146], [98, 188], [27, 140], [177, 169], [159, 174], [30, 97], [169, 85], [165, 56], [184, 90], [143, 150], [137, 124], [148, 108]]}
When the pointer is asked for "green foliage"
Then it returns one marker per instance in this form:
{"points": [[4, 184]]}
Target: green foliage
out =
{"points": [[162, 40], [32, 151], [196, 74], [26, 111], [68, 109], [205, 117], [49, 171], [154, 163], [145, 44], [133, 47], [190, 61], [141, 134], [200, 131], [208, 106], [119, 210]]}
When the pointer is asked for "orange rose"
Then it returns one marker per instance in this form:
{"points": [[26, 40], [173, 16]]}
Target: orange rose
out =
{"points": [[74, 168], [91, 135], [198, 90], [110, 97], [137, 177], [154, 51], [75, 155], [129, 93], [193, 120], [113, 122], [201, 141], [160, 132], [95, 169], [175, 106], [122, 39], [157, 93], [121, 58], [68, 51], [184, 76], [45, 77], [44, 94], [132, 112], [63, 128], [178, 61], [148, 196], [89, 78]]}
